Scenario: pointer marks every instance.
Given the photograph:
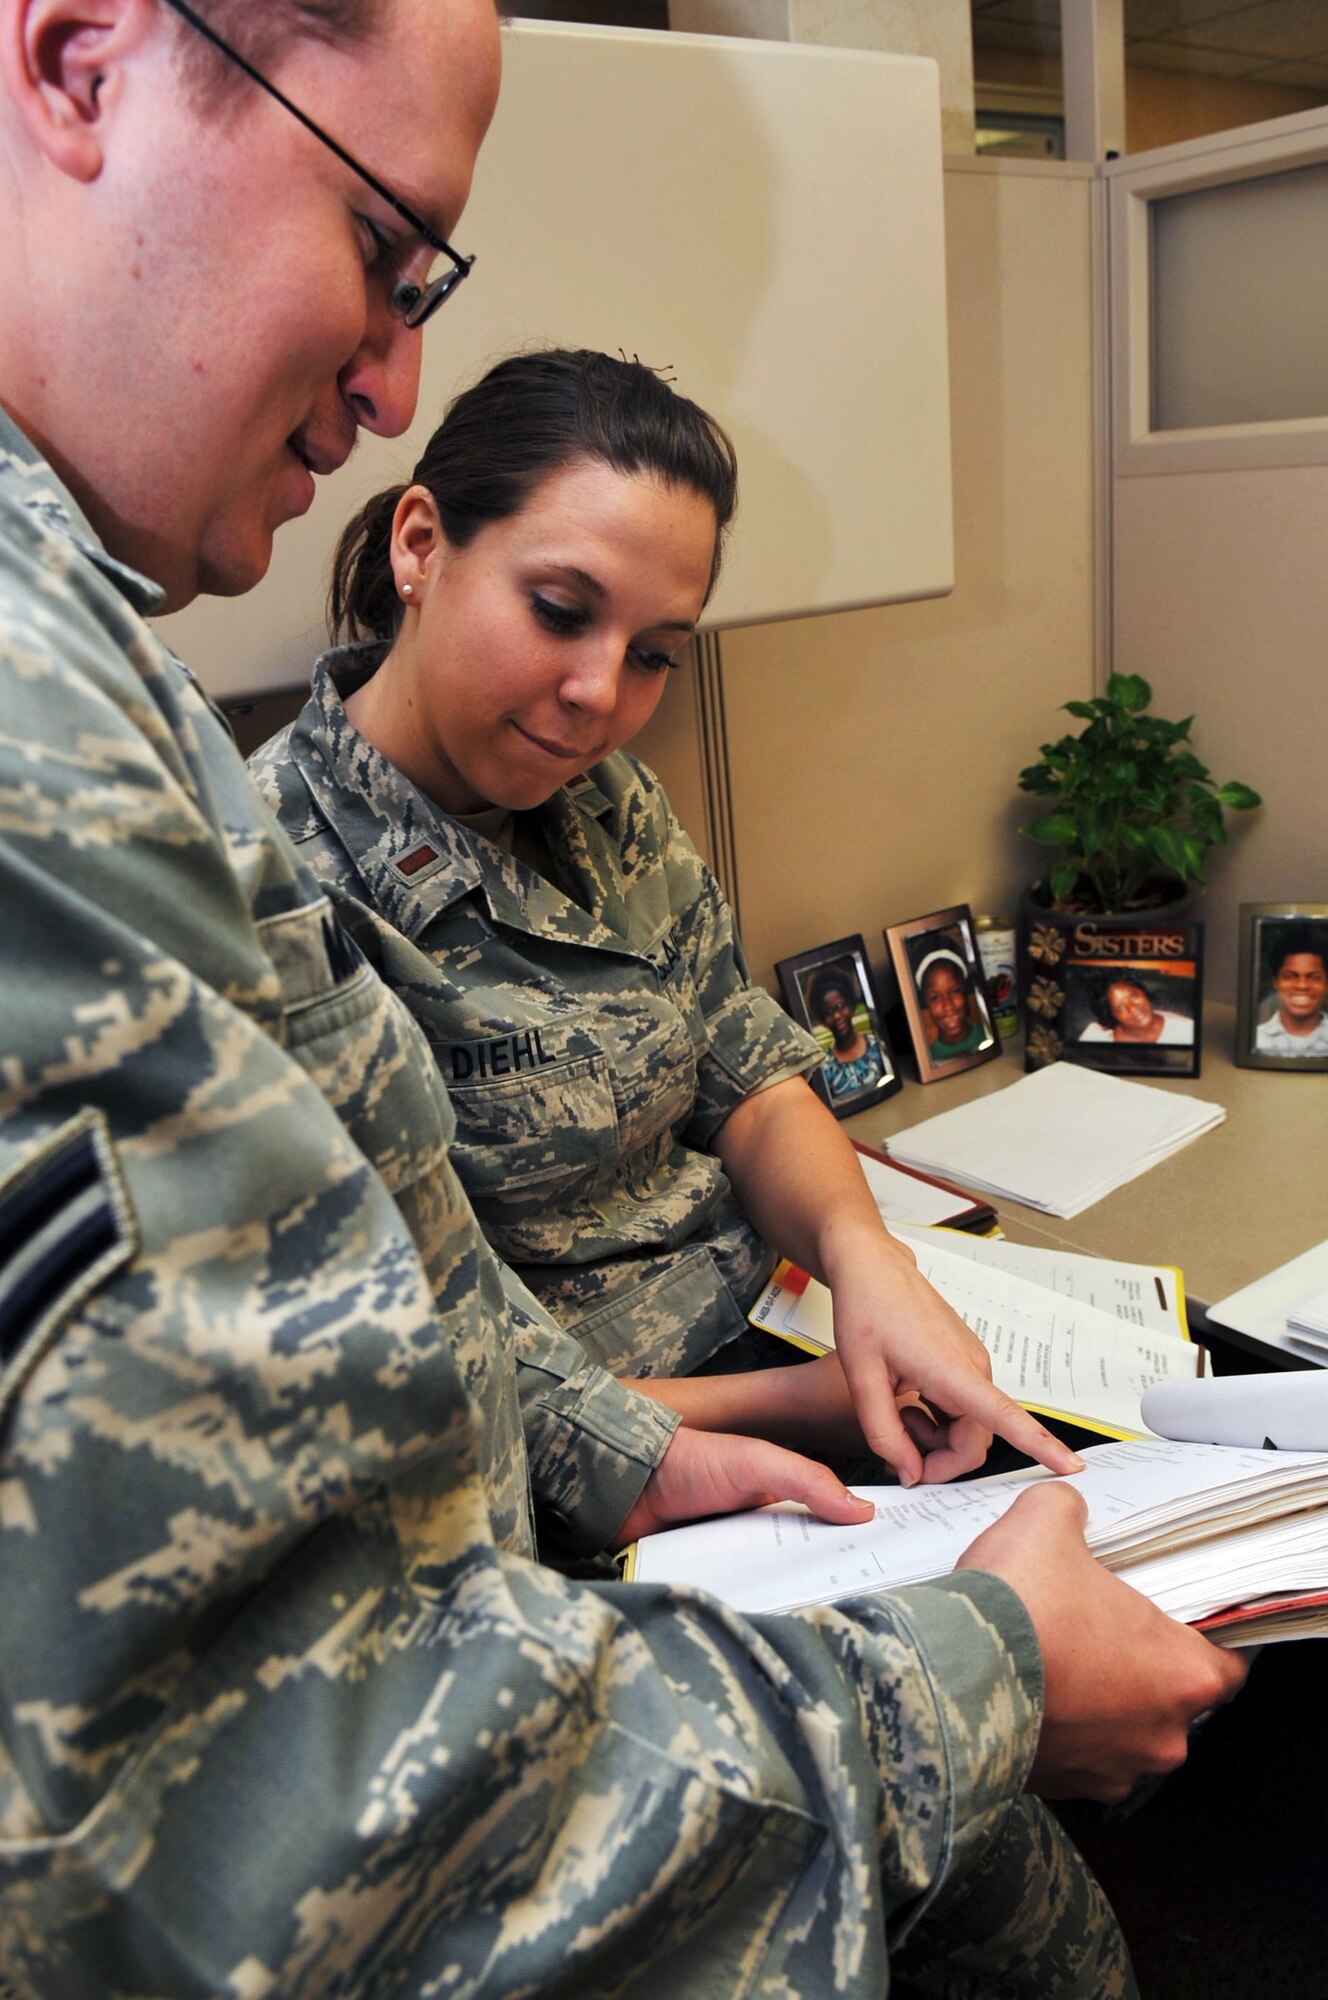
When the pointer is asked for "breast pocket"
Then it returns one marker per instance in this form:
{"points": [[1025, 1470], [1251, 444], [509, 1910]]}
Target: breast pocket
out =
{"points": [[535, 1105], [357, 1042]]}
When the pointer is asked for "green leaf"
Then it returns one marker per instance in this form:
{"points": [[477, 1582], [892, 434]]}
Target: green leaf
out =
{"points": [[1062, 880], [1054, 829], [1207, 815], [1240, 798], [1084, 708], [1169, 848], [1129, 691]]}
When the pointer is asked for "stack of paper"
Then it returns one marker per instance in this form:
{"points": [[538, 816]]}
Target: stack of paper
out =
{"points": [[902, 1194], [1057, 1140], [1198, 1528], [1074, 1337], [1267, 1308], [1307, 1322]]}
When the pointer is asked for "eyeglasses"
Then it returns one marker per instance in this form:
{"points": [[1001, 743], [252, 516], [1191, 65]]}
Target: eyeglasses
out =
{"points": [[411, 302]]}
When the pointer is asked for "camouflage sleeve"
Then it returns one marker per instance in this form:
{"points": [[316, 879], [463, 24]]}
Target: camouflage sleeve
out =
{"points": [[592, 1442], [751, 1042]]}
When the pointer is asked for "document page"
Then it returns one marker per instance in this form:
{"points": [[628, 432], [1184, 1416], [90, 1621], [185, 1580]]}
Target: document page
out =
{"points": [[1150, 1295], [902, 1197], [1152, 1492], [1287, 1411], [1050, 1352]]}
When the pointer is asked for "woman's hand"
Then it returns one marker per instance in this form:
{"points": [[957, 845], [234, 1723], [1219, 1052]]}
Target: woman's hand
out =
{"points": [[893, 1332], [806, 1405], [799, 1180]]}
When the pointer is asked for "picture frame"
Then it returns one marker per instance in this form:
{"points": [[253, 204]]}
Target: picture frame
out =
{"points": [[1282, 1010], [943, 991], [864, 1072], [1119, 994]]}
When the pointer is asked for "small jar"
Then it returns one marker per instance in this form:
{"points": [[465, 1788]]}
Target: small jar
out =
{"points": [[996, 948]]}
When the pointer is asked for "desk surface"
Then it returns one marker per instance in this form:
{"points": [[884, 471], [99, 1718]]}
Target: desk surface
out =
{"points": [[1244, 1198]]}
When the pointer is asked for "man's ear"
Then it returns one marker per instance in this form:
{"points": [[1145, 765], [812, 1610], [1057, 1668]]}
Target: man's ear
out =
{"points": [[60, 64]]}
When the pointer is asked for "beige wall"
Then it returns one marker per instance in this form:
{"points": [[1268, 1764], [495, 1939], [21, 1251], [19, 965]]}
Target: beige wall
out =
{"points": [[940, 29], [1222, 603], [1162, 106], [874, 755]]}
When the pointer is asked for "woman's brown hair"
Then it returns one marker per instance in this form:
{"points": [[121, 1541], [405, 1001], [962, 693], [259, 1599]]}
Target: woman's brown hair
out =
{"points": [[526, 418]]}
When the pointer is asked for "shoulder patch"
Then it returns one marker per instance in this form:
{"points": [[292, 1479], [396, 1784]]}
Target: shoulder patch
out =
{"points": [[65, 1224]]}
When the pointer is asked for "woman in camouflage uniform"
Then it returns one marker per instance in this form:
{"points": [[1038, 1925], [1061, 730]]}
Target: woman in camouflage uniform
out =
{"points": [[635, 1130]]}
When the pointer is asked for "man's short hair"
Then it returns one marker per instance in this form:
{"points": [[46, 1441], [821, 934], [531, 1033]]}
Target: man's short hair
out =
{"points": [[262, 35], [1296, 940]]}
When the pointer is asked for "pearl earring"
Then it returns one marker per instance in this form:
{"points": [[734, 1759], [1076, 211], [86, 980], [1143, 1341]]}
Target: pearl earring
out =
{"points": [[406, 589]]}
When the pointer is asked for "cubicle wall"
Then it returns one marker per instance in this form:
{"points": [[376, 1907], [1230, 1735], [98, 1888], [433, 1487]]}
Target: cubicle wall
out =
{"points": [[1221, 529], [763, 221], [872, 757]]}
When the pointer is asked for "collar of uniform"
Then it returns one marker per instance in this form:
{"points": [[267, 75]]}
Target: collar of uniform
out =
{"points": [[587, 797], [587, 856], [415, 860], [412, 859], [31, 483]]}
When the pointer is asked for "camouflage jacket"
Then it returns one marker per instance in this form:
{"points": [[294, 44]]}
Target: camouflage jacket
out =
{"points": [[278, 1717], [592, 1041]]}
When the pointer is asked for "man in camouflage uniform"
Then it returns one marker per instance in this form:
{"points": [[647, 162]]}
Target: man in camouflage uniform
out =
{"points": [[278, 1717]]}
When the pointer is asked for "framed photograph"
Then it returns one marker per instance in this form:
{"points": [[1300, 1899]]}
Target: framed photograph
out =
{"points": [[1116, 993], [1282, 1022], [943, 991], [829, 991]]}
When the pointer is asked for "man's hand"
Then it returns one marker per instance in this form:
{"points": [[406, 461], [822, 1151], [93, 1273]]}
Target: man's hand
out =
{"points": [[709, 1472], [1123, 1682]]}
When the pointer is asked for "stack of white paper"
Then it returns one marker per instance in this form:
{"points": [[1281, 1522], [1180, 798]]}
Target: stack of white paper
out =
{"points": [[1267, 1308], [1057, 1140], [1195, 1527], [902, 1197], [1307, 1321]]}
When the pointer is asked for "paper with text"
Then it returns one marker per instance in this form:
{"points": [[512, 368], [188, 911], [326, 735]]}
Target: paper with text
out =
{"points": [[1180, 1508], [1148, 1295], [1054, 1354]]}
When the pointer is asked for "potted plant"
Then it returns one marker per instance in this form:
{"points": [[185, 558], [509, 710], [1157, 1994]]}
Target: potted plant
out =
{"points": [[1134, 815]]}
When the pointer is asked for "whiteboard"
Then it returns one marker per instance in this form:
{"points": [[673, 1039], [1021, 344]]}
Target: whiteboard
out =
{"points": [[766, 218]]}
